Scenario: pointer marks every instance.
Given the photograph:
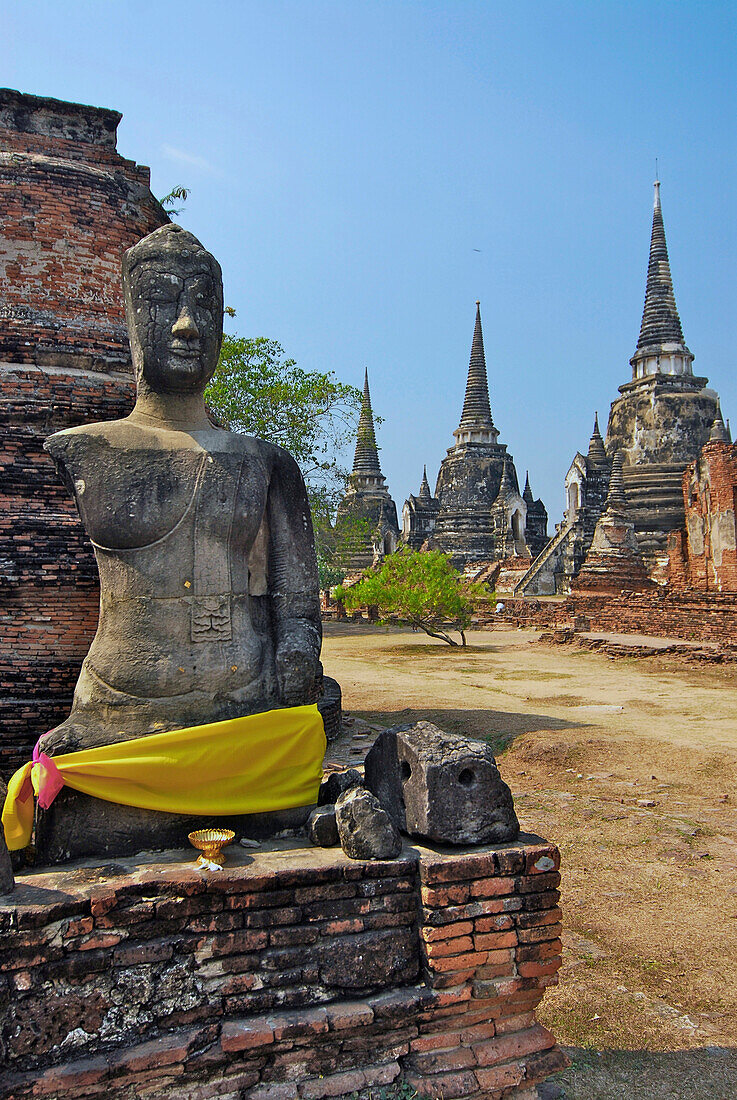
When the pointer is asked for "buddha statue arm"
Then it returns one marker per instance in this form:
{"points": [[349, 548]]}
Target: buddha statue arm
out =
{"points": [[293, 582]]}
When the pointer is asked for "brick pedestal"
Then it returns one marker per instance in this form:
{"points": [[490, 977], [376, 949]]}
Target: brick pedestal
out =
{"points": [[293, 973]]}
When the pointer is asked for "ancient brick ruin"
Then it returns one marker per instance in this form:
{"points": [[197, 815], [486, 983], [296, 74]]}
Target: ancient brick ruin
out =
{"points": [[659, 423], [69, 207], [703, 554], [614, 562], [419, 515], [613, 593], [477, 514], [367, 497], [293, 973]]}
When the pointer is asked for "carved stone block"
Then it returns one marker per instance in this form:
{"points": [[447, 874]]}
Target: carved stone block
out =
{"points": [[441, 786]]}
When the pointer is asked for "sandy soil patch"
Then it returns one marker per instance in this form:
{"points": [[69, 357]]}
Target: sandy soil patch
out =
{"points": [[629, 766]]}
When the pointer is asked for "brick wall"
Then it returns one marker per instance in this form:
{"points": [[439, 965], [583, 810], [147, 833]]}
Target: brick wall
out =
{"points": [[69, 206], [704, 555], [49, 592], [693, 616], [690, 615], [520, 612], [299, 973]]}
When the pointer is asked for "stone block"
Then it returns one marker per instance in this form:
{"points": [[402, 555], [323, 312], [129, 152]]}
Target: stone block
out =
{"points": [[441, 786], [366, 830], [322, 828]]}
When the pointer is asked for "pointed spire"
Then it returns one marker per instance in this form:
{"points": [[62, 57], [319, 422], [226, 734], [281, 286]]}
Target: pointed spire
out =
{"points": [[719, 433], [660, 321], [506, 486], [597, 454], [425, 486], [476, 407], [527, 494], [366, 458], [616, 500]]}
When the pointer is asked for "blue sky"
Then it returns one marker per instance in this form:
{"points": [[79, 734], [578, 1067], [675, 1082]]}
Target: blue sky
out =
{"points": [[346, 161]]}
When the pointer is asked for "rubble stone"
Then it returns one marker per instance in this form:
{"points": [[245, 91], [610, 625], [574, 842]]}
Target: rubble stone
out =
{"points": [[441, 786], [322, 828], [366, 830]]}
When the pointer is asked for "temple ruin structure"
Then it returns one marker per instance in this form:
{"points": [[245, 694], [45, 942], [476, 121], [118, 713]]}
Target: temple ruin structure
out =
{"points": [[703, 554], [480, 514], [419, 515], [368, 498], [69, 207], [660, 422], [614, 562]]}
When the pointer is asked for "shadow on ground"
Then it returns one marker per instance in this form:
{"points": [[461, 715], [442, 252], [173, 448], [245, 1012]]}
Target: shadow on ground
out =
{"points": [[498, 727], [707, 1073]]}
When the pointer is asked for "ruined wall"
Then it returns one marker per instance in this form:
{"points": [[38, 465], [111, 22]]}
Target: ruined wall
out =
{"points": [[69, 207], [704, 555], [299, 973], [689, 615]]}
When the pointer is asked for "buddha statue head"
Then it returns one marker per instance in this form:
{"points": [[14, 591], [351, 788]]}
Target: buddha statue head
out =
{"points": [[173, 291]]}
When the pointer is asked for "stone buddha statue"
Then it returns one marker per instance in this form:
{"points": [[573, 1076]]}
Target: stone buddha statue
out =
{"points": [[209, 596]]}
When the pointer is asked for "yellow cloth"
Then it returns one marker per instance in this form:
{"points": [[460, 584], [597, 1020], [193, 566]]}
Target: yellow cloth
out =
{"points": [[270, 761]]}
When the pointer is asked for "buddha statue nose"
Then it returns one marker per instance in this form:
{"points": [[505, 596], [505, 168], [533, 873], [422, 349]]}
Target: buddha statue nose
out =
{"points": [[185, 326]]}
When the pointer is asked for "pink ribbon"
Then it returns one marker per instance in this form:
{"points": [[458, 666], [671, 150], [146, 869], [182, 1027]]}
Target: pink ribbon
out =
{"points": [[50, 780]]}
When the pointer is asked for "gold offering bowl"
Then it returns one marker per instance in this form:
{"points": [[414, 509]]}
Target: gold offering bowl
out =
{"points": [[211, 843]]}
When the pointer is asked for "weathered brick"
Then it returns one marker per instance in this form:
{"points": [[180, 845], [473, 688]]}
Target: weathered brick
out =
{"points": [[516, 1045], [349, 1014], [446, 931], [445, 1085], [437, 949], [538, 969], [495, 1078], [540, 934], [490, 941], [245, 1035], [537, 952]]}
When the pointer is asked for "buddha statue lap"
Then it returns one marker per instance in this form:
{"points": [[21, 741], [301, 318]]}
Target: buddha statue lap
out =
{"points": [[209, 600]]}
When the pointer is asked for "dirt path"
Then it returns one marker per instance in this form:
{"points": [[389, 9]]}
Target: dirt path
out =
{"points": [[630, 766]]}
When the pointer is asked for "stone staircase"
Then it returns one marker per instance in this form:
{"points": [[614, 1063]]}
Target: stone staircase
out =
{"points": [[555, 546]]}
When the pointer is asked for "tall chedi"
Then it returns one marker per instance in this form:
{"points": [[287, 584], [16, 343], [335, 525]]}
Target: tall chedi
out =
{"points": [[367, 497], [665, 413], [482, 516], [658, 426]]}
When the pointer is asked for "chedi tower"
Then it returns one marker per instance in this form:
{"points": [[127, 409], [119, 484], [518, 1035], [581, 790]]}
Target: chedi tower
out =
{"points": [[659, 425], [368, 498], [665, 413], [482, 515]]}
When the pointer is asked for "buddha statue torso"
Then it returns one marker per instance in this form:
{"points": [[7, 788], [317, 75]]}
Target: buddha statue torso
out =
{"points": [[183, 551], [209, 600]]}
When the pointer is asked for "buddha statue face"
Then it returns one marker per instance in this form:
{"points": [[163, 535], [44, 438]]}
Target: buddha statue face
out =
{"points": [[174, 305]]}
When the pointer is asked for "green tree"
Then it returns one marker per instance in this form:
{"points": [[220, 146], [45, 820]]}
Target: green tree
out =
{"points": [[256, 390], [419, 588]]}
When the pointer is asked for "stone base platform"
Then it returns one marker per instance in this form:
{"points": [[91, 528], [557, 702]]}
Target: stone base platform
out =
{"points": [[293, 974]]}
